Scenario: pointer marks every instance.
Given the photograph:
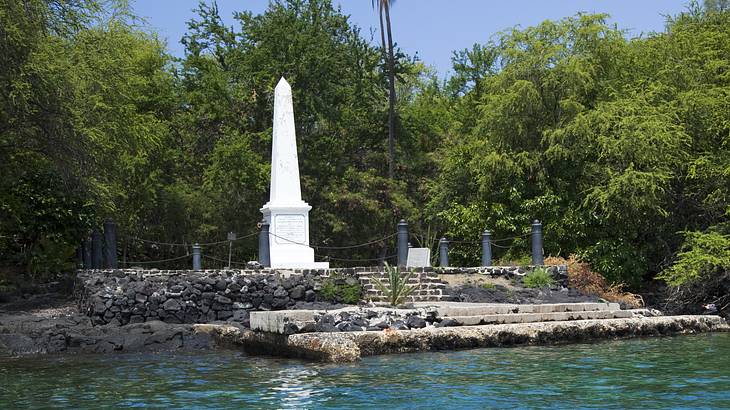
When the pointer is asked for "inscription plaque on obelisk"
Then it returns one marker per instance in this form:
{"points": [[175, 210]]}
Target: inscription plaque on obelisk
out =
{"points": [[291, 228], [286, 212]]}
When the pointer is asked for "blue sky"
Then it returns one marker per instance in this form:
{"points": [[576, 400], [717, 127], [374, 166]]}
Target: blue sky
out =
{"points": [[432, 28]]}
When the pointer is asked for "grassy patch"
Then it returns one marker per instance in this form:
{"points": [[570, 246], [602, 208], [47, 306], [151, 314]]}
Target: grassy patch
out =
{"points": [[488, 286], [539, 278]]}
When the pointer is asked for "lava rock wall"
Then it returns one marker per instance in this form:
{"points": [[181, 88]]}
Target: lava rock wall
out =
{"points": [[123, 296], [135, 296]]}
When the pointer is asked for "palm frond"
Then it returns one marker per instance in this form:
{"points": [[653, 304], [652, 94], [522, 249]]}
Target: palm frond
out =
{"points": [[396, 289]]}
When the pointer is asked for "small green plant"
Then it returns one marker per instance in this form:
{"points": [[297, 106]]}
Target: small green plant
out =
{"points": [[395, 287], [538, 278], [351, 294], [338, 290], [329, 290], [489, 286]]}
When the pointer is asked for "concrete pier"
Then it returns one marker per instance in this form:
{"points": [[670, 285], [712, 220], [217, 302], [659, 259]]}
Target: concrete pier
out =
{"points": [[471, 325]]}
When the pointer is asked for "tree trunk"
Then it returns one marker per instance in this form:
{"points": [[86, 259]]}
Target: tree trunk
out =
{"points": [[391, 108], [382, 41]]}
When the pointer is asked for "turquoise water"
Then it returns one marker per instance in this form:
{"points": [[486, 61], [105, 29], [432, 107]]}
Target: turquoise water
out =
{"points": [[677, 372]]}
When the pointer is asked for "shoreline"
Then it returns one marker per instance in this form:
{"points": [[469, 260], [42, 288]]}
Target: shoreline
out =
{"points": [[281, 313], [32, 334], [352, 346]]}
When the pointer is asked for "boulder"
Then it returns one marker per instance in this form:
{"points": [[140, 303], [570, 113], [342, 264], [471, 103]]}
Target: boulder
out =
{"points": [[171, 305], [297, 292]]}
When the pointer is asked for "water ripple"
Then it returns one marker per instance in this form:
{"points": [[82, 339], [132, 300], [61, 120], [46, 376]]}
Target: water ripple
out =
{"points": [[677, 372]]}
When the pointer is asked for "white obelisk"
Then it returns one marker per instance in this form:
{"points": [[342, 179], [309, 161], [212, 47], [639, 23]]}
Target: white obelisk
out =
{"points": [[286, 213]]}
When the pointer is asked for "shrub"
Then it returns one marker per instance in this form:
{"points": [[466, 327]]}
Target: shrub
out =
{"points": [[337, 290], [581, 277], [703, 254], [538, 278], [700, 275], [396, 289]]}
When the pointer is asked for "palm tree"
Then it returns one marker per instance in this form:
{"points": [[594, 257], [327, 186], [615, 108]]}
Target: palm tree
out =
{"points": [[383, 7]]}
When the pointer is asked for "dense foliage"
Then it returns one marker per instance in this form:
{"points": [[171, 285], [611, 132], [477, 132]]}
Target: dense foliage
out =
{"points": [[620, 146]]}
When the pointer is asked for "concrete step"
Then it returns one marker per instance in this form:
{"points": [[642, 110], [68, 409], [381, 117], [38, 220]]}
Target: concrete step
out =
{"points": [[277, 321], [478, 309], [412, 282], [541, 317]]}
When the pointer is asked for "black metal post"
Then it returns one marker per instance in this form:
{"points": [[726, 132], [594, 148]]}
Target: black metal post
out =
{"points": [[80, 256], [264, 252], [537, 254], [86, 252], [96, 249], [231, 238], [196, 257], [443, 252], [402, 242], [110, 244], [486, 248]]}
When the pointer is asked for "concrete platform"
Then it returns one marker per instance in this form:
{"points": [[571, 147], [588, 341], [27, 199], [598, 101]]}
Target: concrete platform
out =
{"points": [[452, 309], [277, 321], [465, 313], [541, 317], [351, 346]]}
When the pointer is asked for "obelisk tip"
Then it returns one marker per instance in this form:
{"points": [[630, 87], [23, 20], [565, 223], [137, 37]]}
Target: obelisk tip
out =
{"points": [[282, 86]]}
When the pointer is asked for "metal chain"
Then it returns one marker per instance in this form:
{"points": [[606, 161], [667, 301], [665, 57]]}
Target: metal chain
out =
{"points": [[186, 245], [512, 237], [502, 247], [332, 247], [134, 238], [355, 260], [222, 260], [157, 261], [226, 240], [356, 246]]}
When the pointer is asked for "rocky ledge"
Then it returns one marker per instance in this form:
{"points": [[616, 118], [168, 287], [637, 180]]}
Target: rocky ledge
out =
{"points": [[23, 333], [351, 346]]}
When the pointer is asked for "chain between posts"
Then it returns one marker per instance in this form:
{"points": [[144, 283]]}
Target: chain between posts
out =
{"points": [[223, 261], [443, 247], [187, 245], [334, 247], [157, 261], [356, 260]]}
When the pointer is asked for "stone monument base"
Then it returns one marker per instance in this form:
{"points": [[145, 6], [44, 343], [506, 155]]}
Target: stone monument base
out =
{"points": [[312, 265], [289, 236]]}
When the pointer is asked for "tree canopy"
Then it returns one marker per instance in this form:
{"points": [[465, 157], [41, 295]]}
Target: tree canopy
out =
{"points": [[621, 146]]}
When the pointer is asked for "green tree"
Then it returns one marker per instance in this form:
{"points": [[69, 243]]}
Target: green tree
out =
{"points": [[229, 75]]}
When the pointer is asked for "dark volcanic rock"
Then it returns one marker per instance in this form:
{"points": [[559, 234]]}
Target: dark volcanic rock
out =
{"points": [[399, 325], [326, 327], [26, 333], [415, 322], [297, 292], [447, 322], [188, 296], [221, 285], [223, 300], [172, 305]]}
